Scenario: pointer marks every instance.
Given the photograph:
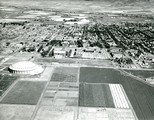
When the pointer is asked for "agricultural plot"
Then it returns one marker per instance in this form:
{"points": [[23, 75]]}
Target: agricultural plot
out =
{"points": [[95, 95], [4, 67], [140, 95], [55, 113], [9, 77], [118, 96], [94, 62], [61, 94], [16, 112], [24, 93], [141, 73], [5, 82], [1, 76], [91, 113], [98, 75], [66, 74], [1, 58]]}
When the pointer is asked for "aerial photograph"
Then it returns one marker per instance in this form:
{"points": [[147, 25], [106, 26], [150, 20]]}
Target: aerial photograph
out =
{"points": [[76, 59]]}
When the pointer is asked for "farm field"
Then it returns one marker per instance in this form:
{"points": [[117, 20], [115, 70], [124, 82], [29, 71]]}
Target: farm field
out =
{"points": [[60, 94], [94, 62], [141, 73], [16, 112], [140, 95], [24, 93], [67, 74], [91, 113], [95, 95], [55, 113], [5, 82], [102, 95]]}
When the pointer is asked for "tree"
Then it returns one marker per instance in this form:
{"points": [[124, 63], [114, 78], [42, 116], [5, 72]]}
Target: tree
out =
{"points": [[7, 43]]}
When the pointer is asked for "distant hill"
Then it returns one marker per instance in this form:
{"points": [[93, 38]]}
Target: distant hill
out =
{"points": [[83, 5], [89, 0], [125, 1], [103, 0]]}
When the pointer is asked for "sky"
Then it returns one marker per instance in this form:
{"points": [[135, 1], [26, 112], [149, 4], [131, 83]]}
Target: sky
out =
{"points": [[85, 5]]}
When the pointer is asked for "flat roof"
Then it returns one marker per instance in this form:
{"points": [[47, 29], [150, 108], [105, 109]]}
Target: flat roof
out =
{"points": [[59, 51]]}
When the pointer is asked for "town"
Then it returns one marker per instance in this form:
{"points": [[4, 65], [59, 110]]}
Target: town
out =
{"points": [[127, 45]]}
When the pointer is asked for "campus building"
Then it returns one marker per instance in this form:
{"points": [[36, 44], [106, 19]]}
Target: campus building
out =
{"points": [[25, 67]]}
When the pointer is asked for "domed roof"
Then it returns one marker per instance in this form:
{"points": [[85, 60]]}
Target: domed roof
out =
{"points": [[23, 65], [26, 67]]}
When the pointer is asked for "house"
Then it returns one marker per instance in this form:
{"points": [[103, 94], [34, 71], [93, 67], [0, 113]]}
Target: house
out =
{"points": [[117, 55], [115, 49]]}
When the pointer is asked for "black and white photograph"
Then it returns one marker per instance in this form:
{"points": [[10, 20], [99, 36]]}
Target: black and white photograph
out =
{"points": [[76, 59]]}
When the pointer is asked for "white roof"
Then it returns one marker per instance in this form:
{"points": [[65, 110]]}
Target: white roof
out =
{"points": [[59, 51], [26, 66], [23, 64]]}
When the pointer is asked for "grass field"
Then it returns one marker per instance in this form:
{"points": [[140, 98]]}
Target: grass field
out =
{"points": [[24, 93], [66, 74], [139, 94]]}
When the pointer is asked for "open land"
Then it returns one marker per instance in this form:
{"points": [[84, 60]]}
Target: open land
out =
{"points": [[139, 94], [16, 112], [142, 73]]}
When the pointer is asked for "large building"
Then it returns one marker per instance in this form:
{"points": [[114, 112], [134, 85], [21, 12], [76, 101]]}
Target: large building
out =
{"points": [[59, 52], [25, 67]]}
